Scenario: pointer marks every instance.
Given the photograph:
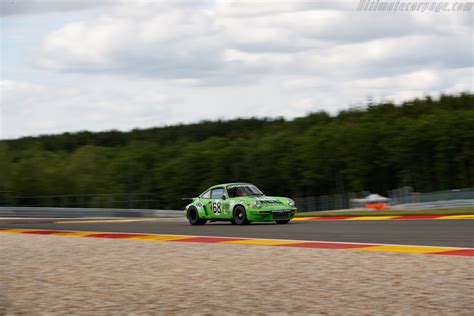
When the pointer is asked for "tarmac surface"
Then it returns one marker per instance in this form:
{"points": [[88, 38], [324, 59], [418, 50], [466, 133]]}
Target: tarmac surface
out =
{"points": [[447, 233]]}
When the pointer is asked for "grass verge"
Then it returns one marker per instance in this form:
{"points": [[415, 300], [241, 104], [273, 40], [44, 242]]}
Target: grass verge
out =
{"points": [[446, 211]]}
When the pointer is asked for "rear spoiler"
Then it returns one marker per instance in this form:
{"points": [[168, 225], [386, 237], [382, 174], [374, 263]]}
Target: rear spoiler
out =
{"points": [[187, 199]]}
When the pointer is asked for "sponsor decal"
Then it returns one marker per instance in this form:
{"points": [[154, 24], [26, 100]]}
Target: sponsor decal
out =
{"points": [[270, 201], [236, 185]]}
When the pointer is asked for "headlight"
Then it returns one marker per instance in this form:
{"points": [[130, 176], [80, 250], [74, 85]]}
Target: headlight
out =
{"points": [[291, 202], [258, 203]]}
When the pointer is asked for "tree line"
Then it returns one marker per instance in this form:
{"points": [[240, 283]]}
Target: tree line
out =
{"points": [[425, 143]]}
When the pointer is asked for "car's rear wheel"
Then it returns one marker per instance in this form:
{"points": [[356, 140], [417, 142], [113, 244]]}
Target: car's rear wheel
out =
{"points": [[285, 221], [240, 216], [193, 217]]}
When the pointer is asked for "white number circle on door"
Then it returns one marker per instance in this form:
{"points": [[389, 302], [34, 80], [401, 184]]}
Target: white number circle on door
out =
{"points": [[216, 207]]}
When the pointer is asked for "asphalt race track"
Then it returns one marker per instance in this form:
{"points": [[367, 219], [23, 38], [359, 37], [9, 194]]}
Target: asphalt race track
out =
{"points": [[448, 233]]}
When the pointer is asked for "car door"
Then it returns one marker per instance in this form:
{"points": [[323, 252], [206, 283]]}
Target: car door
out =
{"points": [[215, 207]]}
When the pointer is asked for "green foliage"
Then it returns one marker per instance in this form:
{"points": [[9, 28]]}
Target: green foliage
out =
{"points": [[428, 144]]}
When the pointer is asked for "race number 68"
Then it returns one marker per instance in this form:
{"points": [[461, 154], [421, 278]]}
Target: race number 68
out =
{"points": [[216, 207]]}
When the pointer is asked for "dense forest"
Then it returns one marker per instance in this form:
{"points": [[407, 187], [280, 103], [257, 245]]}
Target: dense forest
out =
{"points": [[424, 143]]}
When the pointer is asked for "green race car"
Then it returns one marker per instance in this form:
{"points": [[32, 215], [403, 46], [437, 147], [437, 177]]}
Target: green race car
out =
{"points": [[239, 203]]}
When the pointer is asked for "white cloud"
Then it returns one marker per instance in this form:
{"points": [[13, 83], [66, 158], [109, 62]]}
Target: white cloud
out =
{"points": [[212, 43], [146, 63], [20, 7], [170, 43], [32, 109], [256, 60]]}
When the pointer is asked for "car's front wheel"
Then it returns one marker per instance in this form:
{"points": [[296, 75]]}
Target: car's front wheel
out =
{"points": [[286, 221], [193, 217], [240, 216]]}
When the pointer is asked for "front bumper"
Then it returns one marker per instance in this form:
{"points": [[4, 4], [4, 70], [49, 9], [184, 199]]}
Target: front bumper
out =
{"points": [[270, 215]]}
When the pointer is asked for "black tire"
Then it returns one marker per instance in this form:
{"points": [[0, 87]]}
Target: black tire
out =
{"points": [[193, 217], [285, 221], [240, 216]]}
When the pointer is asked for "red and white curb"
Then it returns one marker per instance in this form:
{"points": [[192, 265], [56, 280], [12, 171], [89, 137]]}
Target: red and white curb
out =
{"points": [[374, 218], [450, 251]]}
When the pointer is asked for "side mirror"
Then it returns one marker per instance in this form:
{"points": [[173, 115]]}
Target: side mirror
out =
{"points": [[223, 197]]}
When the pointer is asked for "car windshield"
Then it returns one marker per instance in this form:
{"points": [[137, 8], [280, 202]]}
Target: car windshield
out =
{"points": [[243, 190]]}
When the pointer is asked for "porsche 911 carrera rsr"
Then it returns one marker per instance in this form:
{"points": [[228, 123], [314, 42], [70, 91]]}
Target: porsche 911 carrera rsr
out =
{"points": [[239, 203]]}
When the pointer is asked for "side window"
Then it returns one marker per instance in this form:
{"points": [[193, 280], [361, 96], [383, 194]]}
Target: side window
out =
{"points": [[233, 192], [206, 195], [217, 193]]}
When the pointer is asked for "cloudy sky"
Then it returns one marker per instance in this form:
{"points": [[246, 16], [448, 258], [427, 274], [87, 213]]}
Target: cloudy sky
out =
{"points": [[122, 64]]}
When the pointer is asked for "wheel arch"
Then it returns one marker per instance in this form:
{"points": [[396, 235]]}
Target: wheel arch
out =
{"points": [[237, 205], [201, 212]]}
